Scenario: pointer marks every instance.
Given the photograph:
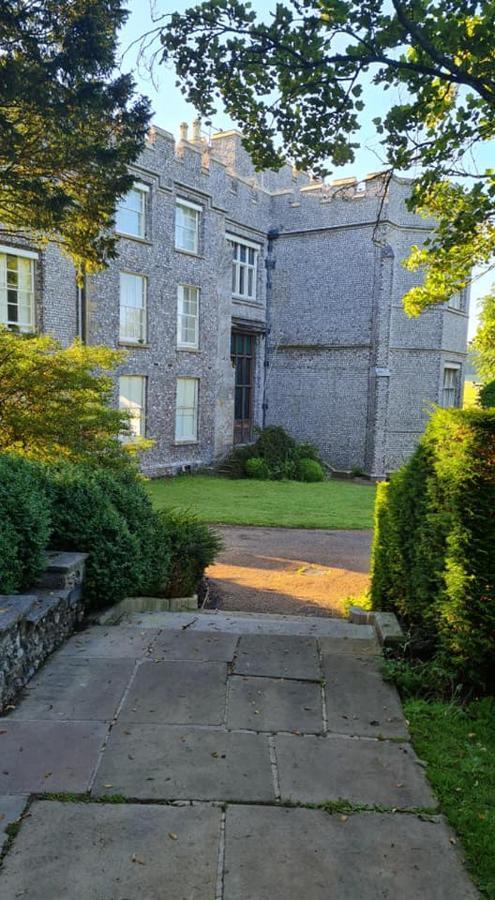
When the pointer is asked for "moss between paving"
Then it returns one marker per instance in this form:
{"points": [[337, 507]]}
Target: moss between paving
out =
{"points": [[290, 504]]}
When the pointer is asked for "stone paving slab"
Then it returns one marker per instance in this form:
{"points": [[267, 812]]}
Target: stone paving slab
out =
{"points": [[79, 851], [162, 762], [249, 623], [358, 701], [109, 642], [318, 769], [320, 857], [41, 757], [278, 656], [11, 809], [177, 693], [362, 648], [269, 704], [182, 645], [68, 689]]}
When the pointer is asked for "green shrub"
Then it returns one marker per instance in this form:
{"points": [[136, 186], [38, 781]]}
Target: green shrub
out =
{"points": [[84, 518], [280, 454], [127, 493], [24, 523], [433, 558], [486, 396], [193, 547], [309, 470], [257, 468]]}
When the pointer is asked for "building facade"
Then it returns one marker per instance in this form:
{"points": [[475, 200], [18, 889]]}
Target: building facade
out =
{"points": [[243, 299]]}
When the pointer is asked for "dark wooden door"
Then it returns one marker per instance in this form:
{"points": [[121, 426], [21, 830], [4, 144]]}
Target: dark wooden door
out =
{"points": [[243, 359]]}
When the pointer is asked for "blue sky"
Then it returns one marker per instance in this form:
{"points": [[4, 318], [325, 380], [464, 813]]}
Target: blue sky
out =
{"points": [[170, 107]]}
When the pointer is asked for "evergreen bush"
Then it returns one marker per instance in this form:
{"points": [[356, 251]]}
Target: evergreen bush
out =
{"points": [[275, 455], [24, 523], [433, 558], [486, 396], [85, 519], [257, 468], [309, 470], [193, 547]]}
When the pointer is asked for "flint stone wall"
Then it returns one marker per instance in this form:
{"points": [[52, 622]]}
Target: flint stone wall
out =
{"points": [[33, 625]]}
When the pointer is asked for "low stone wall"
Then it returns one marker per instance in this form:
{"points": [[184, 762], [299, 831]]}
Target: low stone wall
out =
{"points": [[33, 625]]}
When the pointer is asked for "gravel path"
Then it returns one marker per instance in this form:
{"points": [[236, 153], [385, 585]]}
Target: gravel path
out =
{"points": [[289, 570]]}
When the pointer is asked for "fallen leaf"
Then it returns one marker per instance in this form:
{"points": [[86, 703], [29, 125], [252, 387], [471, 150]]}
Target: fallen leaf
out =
{"points": [[172, 835]]}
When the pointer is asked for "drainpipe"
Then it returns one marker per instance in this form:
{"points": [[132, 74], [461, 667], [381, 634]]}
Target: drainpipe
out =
{"points": [[269, 266]]}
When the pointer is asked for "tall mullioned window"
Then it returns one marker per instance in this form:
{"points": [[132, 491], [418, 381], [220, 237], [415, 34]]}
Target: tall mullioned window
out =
{"points": [[130, 218], [244, 269], [17, 291], [187, 226], [188, 316], [132, 398], [132, 308], [451, 386], [186, 416]]}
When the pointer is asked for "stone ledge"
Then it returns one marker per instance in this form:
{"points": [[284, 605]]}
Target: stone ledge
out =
{"points": [[388, 630], [33, 625], [386, 624]]}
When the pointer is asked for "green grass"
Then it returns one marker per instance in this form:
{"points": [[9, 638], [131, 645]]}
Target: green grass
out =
{"points": [[459, 747], [291, 504]]}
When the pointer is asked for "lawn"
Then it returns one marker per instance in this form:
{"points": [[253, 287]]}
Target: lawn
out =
{"points": [[291, 504], [459, 747]]}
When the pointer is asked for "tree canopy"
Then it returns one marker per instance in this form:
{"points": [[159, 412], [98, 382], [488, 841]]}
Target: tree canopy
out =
{"points": [[55, 402], [296, 85], [69, 124]]}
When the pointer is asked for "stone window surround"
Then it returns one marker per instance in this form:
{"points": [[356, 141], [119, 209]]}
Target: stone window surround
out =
{"points": [[239, 241], [451, 390], [188, 439], [32, 255], [199, 210], [126, 340], [129, 438], [184, 345], [145, 191]]}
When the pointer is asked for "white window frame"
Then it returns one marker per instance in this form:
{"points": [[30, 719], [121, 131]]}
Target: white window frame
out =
{"points": [[181, 409], [143, 191], [243, 269], [182, 316], [131, 405], [142, 310], [451, 391], [180, 229], [457, 301], [26, 325]]}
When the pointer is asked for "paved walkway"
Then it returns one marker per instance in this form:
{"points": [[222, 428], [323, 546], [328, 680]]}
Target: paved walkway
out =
{"points": [[215, 757], [292, 571]]}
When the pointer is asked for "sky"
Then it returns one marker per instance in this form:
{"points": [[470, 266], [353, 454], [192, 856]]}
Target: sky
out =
{"points": [[170, 107]]}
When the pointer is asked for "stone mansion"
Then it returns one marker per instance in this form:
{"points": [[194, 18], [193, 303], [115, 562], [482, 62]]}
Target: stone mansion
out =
{"points": [[247, 298]]}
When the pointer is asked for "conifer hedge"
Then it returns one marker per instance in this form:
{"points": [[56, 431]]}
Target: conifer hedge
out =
{"points": [[433, 558]]}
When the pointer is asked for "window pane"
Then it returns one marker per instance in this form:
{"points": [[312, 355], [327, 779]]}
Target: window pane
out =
{"points": [[186, 426], [130, 215], [188, 316], [132, 307], [132, 399], [186, 228], [16, 291]]}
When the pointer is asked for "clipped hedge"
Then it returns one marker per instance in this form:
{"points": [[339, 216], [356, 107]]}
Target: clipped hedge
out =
{"points": [[433, 558], [24, 523], [84, 518], [486, 395], [193, 547]]}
